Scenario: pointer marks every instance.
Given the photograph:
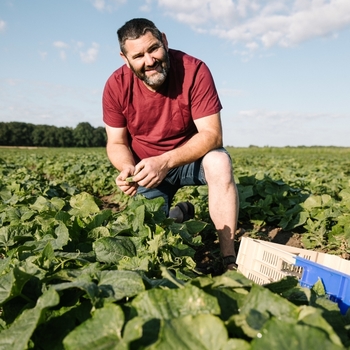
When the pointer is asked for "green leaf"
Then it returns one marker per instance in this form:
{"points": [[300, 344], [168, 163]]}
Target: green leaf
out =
{"points": [[112, 249], [12, 283], [139, 218], [120, 284], [47, 256], [16, 337], [7, 236], [231, 279], [262, 300], [135, 264], [317, 201], [102, 331], [282, 335], [167, 304], [199, 332], [248, 324], [313, 317], [83, 205], [91, 289], [194, 226], [319, 288], [42, 204], [282, 285], [99, 232], [99, 219]]}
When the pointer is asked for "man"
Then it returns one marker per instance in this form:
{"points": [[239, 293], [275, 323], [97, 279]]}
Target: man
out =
{"points": [[162, 116]]}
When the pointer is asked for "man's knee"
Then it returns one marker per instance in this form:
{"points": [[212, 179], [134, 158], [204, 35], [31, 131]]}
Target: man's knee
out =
{"points": [[217, 165]]}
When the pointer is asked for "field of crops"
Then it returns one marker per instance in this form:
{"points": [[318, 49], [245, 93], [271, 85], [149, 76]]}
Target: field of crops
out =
{"points": [[84, 267]]}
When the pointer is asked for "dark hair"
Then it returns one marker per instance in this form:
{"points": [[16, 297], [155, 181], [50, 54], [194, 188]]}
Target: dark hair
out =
{"points": [[136, 28]]}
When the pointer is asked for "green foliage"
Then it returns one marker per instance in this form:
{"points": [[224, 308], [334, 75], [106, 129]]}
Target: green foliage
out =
{"points": [[26, 134], [75, 274]]}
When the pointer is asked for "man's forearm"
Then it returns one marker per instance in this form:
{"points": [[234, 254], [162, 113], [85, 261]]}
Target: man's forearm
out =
{"points": [[195, 148], [120, 156]]}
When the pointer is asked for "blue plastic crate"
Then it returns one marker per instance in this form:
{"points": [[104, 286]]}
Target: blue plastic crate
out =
{"points": [[337, 284]]}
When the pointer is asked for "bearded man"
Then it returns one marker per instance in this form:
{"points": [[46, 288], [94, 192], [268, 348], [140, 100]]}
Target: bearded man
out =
{"points": [[162, 116]]}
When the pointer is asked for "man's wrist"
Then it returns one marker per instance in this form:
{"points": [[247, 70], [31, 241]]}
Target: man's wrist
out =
{"points": [[167, 160]]}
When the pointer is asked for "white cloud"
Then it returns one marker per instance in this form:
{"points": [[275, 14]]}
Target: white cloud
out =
{"points": [[262, 23], [230, 92], [79, 44], [43, 54], [147, 6], [285, 119], [87, 56], [107, 5], [2, 25], [60, 44], [63, 55], [90, 55]]}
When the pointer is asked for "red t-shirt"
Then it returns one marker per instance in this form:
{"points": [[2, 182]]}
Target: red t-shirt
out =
{"points": [[160, 121]]}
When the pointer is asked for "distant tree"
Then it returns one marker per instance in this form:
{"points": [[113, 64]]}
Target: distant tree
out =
{"points": [[26, 134], [64, 137], [50, 137], [83, 135], [4, 134], [39, 135], [20, 134], [100, 137]]}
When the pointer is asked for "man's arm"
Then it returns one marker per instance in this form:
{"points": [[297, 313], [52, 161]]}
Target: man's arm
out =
{"points": [[119, 154], [151, 171], [209, 137]]}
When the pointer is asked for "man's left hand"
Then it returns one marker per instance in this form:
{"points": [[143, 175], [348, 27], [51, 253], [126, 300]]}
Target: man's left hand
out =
{"points": [[150, 172]]}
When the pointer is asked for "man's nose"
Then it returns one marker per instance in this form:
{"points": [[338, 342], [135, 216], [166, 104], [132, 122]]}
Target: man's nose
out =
{"points": [[149, 59]]}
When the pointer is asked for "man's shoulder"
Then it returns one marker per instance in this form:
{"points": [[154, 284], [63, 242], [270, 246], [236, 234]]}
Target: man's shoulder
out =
{"points": [[121, 75], [184, 58], [119, 83]]}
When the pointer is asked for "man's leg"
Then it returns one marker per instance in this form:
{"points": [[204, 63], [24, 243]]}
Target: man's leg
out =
{"points": [[223, 199]]}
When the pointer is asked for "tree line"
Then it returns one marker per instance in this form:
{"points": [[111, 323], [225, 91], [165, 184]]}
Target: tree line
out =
{"points": [[31, 135]]}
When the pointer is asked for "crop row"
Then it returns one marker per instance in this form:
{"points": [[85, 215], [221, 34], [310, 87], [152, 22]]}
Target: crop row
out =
{"points": [[78, 274]]}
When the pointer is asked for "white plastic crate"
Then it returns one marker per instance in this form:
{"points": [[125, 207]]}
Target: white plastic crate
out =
{"points": [[265, 262]]}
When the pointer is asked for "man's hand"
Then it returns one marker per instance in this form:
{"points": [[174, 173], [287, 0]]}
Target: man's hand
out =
{"points": [[124, 184], [150, 172]]}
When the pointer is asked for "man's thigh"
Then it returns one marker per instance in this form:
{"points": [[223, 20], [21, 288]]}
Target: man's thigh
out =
{"points": [[186, 175]]}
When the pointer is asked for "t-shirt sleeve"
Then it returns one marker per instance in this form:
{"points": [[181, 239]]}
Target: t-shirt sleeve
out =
{"points": [[204, 97], [111, 104]]}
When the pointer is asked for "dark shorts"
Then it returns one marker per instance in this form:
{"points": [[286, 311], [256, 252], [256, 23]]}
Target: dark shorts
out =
{"points": [[187, 175]]}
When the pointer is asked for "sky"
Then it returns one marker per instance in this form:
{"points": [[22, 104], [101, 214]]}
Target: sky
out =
{"points": [[281, 68]]}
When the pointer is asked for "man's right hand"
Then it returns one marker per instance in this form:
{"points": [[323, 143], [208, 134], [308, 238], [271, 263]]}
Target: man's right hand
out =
{"points": [[129, 188]]}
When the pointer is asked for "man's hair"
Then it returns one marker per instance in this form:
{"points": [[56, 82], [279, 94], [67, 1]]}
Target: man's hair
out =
{"points": [[136, 28]]}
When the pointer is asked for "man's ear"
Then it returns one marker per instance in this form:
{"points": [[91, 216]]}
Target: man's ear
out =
{"points": [[165, 41], [125, 59]]}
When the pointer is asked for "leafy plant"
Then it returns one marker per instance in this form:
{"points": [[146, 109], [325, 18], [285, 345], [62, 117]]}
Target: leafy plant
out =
{"points": [[75, 274]]}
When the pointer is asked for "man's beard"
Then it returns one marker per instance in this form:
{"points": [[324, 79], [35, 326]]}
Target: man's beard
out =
{"points": [[157, 79]]}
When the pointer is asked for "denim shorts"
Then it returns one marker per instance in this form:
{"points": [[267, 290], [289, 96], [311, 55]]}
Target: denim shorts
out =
{"points": [[186, 175]]}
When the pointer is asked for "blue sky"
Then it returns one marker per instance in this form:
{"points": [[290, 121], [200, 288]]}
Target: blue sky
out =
{"points": [[281, 67]]}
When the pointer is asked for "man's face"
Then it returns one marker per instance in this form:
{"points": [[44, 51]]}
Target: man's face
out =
{"points": [[148, 58]]}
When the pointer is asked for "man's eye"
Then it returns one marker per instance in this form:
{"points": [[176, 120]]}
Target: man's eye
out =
{"points": [[153, 49]]}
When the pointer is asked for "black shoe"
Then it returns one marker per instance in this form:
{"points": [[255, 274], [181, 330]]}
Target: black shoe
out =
{"points": [[187, 209], [229, 262]]}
